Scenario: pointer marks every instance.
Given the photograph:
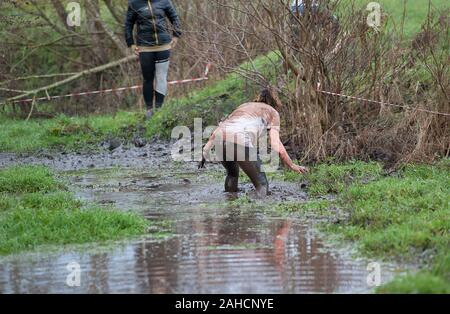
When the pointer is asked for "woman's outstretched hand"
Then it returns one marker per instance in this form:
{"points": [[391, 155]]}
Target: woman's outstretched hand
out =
{"points": [[299, 169]]}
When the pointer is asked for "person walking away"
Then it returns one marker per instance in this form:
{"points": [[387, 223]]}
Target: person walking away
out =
{"points": [[153, 45]]}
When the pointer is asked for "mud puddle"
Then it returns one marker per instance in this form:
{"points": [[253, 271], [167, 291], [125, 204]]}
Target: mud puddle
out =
{"points": [[211, 242]]}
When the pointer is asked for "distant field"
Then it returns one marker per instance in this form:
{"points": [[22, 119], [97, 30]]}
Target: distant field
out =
{"points": [[416, 11]]}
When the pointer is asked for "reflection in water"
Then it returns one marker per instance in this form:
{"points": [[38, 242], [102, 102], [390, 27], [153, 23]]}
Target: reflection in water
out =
{"points": [[215, 249]]}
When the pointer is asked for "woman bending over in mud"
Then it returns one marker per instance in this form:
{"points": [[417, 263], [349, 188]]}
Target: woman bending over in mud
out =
{"points": [[237, 137]]}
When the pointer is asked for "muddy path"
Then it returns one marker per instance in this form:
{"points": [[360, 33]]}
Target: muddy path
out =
{"points": [[202, 240]]}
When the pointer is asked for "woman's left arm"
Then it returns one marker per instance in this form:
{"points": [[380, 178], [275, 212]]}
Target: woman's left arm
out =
{"points": [[172, 14]]}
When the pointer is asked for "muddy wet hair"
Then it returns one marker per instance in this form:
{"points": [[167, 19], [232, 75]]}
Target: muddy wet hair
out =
{"points": [[269, 96]]}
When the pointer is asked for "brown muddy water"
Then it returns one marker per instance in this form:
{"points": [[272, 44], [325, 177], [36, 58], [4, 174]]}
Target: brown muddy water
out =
{"points": [[202, 239]]}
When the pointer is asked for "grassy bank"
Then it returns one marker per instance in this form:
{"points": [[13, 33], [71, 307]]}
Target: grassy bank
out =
{"points": [[66, 133], [403, 216], [36, 209]]}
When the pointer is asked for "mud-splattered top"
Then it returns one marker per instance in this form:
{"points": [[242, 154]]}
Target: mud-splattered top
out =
{"points": [[247, 124]]}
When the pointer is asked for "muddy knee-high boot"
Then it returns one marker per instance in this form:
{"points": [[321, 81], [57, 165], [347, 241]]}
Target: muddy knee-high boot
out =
{"points": [[253, 170], [262, 187], [231, 184]]}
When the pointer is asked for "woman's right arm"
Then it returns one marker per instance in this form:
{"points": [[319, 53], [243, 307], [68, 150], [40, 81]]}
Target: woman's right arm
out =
{"points": [[277, 145], [130, 20]]}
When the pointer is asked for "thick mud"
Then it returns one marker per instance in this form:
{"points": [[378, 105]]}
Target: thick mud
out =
{"points": [[202, 240], [148, 156]]}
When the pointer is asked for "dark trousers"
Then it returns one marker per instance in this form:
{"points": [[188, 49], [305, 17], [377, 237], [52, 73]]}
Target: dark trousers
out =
{"points": [[250, 164], [155, 66]]}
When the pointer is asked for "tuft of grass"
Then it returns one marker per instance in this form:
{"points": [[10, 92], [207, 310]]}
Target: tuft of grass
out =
{"points": [[423, 283], [316, 207], [37, 211], [27, 228], [52, 201], [27, 179], [6, 202], [335, 178]]}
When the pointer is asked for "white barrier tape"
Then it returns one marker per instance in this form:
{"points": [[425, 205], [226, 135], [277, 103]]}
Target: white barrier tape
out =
{"points": [[381, 103], [204, 78], [113, 90]]}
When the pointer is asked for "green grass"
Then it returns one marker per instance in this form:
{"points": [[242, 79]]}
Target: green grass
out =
{"points": [[74, 133], [27, 180], [332, 178], [403, 216], [316, 207], [37, 211], [423, 283]]}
